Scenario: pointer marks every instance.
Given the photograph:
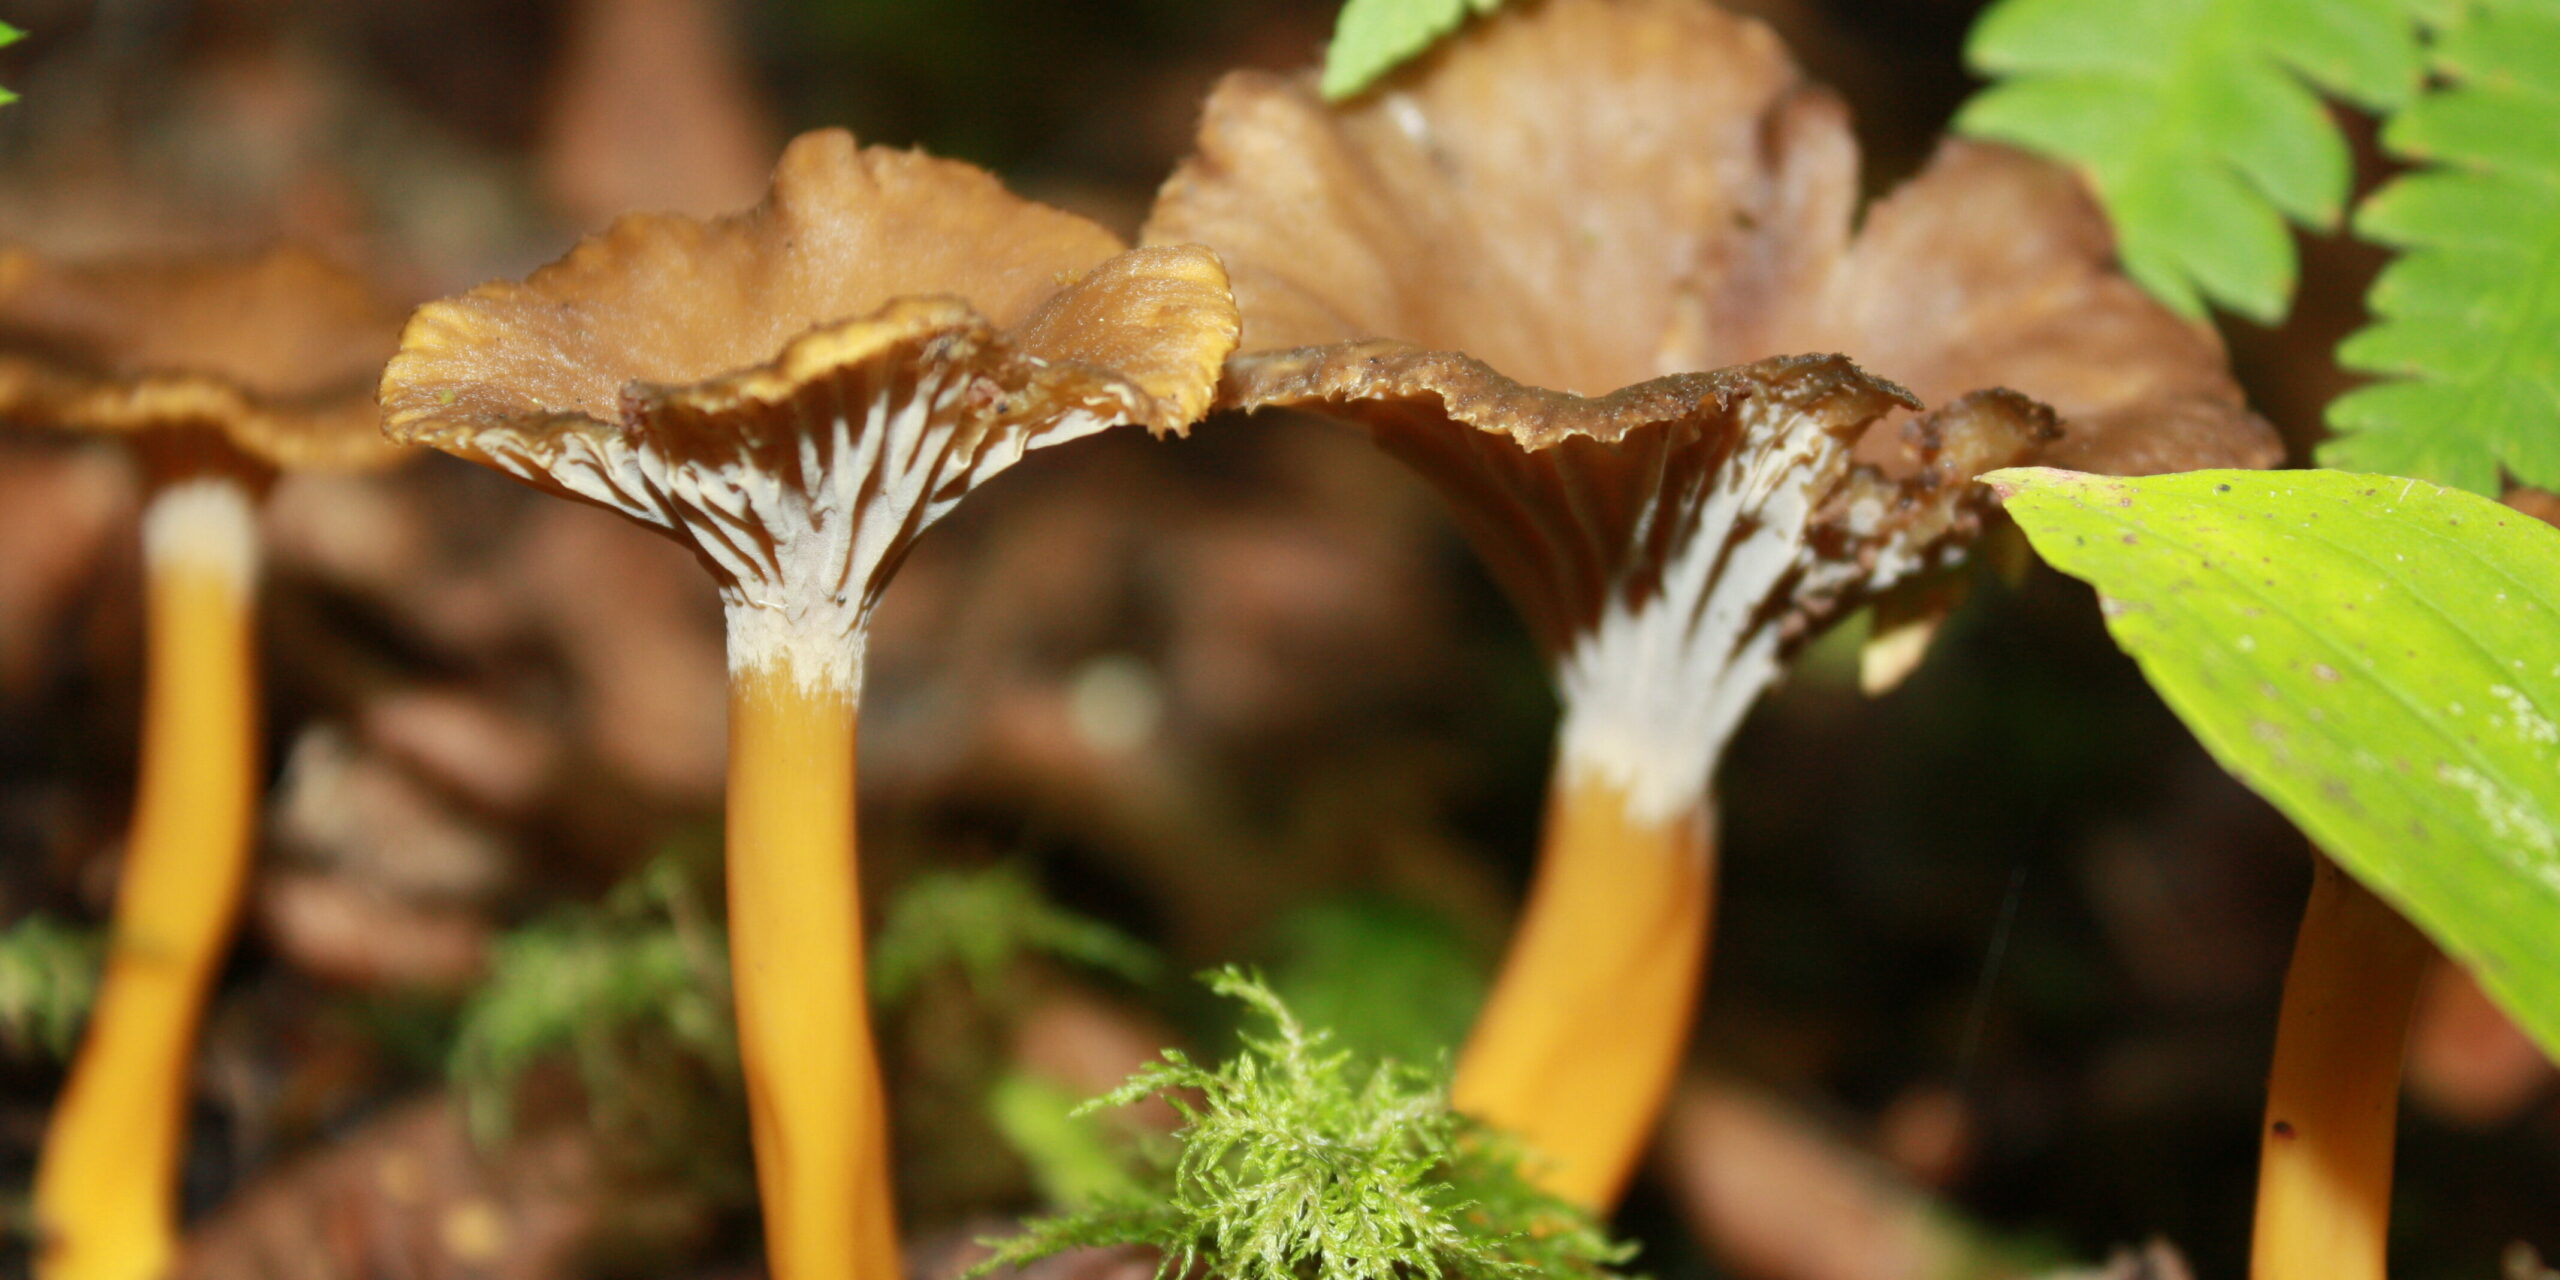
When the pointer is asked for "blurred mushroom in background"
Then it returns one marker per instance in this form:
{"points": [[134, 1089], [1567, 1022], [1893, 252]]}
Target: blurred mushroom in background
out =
{"points": [[219, 373]]}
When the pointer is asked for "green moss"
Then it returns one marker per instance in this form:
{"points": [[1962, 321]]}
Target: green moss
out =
{"points": [[48, 978], [979, 922], [1296, 1162]]}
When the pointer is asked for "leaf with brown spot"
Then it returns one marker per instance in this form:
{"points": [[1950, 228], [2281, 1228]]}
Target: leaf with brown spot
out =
{"points": [[2408, 626]]}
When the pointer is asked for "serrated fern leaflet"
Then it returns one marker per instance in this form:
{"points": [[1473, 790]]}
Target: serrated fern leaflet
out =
{"points": [[2467, 319], [2197, 123]]}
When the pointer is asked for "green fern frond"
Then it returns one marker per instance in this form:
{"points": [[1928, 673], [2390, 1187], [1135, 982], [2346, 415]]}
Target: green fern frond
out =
{"points": [[48, 979], [1295, 1162], [1374, 37], [2197, 123], [980, 922], [2467, 318]]}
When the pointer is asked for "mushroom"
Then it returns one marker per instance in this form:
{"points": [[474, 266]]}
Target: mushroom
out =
{"points": [[1583, 195], [796, 393], [218, 373], [2333, 1091]]}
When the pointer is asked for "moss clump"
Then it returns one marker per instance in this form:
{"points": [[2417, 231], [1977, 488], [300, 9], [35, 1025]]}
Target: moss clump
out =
{"points": [[1293, 1162]]}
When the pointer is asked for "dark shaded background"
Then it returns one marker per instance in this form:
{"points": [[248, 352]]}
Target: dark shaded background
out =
{"points": [[2005, 933]]}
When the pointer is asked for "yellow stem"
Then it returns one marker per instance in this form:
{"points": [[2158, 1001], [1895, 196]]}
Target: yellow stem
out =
{"points": [[795, 941], [106, 1186], [2324, 1171], [1576, 1048]]}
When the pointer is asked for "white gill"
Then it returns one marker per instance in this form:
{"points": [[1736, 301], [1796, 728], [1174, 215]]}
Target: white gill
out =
{"points": [[800, 557], [1657, 686]]}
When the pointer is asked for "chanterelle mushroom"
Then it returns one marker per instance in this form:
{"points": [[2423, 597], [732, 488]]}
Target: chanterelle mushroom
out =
{"points": [[2333, 1089], [1593, 194], [218, 373], [796, 392]]}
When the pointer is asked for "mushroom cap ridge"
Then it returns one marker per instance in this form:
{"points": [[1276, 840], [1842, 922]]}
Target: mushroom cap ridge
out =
{"points": [[845, 232], [1579, 505]]}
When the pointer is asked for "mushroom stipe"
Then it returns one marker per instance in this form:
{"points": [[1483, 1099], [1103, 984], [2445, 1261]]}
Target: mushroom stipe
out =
{"points": [[819, 1122], [2333, 1094], [1618, 934], [106, 1192]]}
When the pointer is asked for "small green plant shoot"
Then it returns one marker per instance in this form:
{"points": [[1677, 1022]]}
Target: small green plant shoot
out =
{"points": [[48, 979], [647, 966], [1071, 1160], [9, 35], [980, 922]]}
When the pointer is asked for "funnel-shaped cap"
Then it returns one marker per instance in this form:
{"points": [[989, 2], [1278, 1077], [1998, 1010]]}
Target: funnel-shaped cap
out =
{"points": [[799, 390]]}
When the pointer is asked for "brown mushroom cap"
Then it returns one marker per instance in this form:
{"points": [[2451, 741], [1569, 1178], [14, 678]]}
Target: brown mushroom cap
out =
{"points": [[883, 332], [1590, 198], [1995, 268], [1589, 193], [274, 355]]}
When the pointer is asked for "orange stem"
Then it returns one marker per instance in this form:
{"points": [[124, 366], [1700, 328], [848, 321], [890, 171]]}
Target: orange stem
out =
{"points": [[795, 941], [1577, 1046], [2324, 1172], [106, 1186]]}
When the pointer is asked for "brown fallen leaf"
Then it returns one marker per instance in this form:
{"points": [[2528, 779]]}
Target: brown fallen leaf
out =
{"points": [[408, 1197], [2468, 1064], [1773, 1197]]}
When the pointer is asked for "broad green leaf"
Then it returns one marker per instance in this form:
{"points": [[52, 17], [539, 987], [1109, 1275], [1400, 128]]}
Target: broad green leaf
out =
{"points": [[2196, 123], [1374, 37], [2467, 319], [2377, 656]]}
